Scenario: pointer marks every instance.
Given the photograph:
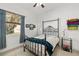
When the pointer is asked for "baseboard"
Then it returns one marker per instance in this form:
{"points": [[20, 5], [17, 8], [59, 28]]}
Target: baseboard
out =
{"points": [[75, 50], [11, 49]]}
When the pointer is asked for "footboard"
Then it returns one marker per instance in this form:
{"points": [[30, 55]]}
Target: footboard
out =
{"points": [[35, 48]]}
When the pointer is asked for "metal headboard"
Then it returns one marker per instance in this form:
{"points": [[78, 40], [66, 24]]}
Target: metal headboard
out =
{"points": [[50, 29]]}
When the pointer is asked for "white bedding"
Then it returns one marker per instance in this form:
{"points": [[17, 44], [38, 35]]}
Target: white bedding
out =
{"points": [[53, 40]]}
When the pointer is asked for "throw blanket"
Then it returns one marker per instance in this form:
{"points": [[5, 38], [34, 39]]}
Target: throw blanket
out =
{"points": [[43, 42]]}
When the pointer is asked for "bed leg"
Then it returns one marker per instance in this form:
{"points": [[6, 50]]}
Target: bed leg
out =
{"points": [[45, 45], [58, 44], [35, 48], [24, 47], [41, 49], [32, 45], [45, 52], [38, 49]]}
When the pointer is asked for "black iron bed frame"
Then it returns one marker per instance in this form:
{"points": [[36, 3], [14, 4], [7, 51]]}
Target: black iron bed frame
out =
{"points": [[30, 46]]}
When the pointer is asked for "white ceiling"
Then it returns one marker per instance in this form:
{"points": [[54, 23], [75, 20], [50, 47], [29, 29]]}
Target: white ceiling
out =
{"points": [[29, 7]]}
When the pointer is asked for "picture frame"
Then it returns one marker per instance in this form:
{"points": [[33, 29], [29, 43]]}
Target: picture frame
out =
{"points": [[30, 26], [27, 25], [72, 24]]}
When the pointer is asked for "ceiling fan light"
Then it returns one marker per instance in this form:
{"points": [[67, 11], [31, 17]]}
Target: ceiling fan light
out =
{"points": [[39, 4], [35, 5], [42, 6]]}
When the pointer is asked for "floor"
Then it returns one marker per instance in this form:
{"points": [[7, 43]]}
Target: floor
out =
{"points": [[19, 52], [59, 52]]}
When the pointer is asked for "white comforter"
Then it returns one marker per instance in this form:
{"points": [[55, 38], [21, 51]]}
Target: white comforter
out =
{"points": [[53, 40]]}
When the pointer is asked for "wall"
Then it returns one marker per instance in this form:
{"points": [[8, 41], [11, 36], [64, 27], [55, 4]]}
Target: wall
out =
{"points": [[63, 13], [31, 20]]}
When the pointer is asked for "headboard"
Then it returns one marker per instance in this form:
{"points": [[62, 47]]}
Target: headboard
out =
{"points": [[50, 30]]}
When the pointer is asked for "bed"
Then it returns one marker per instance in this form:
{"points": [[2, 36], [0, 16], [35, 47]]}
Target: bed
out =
{"points": [[50, 36]]}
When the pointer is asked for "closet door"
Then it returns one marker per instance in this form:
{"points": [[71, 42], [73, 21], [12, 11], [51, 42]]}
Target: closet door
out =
{"points": [[2, 30]]}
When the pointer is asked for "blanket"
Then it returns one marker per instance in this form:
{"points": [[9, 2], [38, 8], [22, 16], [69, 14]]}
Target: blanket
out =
{"points": [[43, 42]]}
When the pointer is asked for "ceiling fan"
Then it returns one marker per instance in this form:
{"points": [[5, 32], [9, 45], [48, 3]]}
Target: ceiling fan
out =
{"points": [[39, 4]]}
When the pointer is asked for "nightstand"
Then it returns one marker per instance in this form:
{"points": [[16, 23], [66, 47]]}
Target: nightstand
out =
{"points": [[66, 44]]}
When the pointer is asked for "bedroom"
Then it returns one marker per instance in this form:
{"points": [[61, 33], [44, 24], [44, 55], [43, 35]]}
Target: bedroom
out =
{"points": [[60, 12]]}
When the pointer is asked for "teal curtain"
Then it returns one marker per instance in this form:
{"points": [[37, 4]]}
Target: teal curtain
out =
{"points": [[22, 34], [2, 29]]}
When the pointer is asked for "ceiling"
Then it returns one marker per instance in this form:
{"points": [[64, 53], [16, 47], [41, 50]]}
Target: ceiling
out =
{"points": [[29, 7]]}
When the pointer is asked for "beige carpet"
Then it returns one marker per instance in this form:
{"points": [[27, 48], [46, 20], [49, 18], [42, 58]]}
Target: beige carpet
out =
{"points": [[59, 52], [19, 52]]}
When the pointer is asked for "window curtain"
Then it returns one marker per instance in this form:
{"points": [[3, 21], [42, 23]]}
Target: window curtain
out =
{"points": [[22, 34], [2, 29]]}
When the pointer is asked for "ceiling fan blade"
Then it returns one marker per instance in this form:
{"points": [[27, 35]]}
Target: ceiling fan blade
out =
{"points": [[35, 5], [42, 6]]}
